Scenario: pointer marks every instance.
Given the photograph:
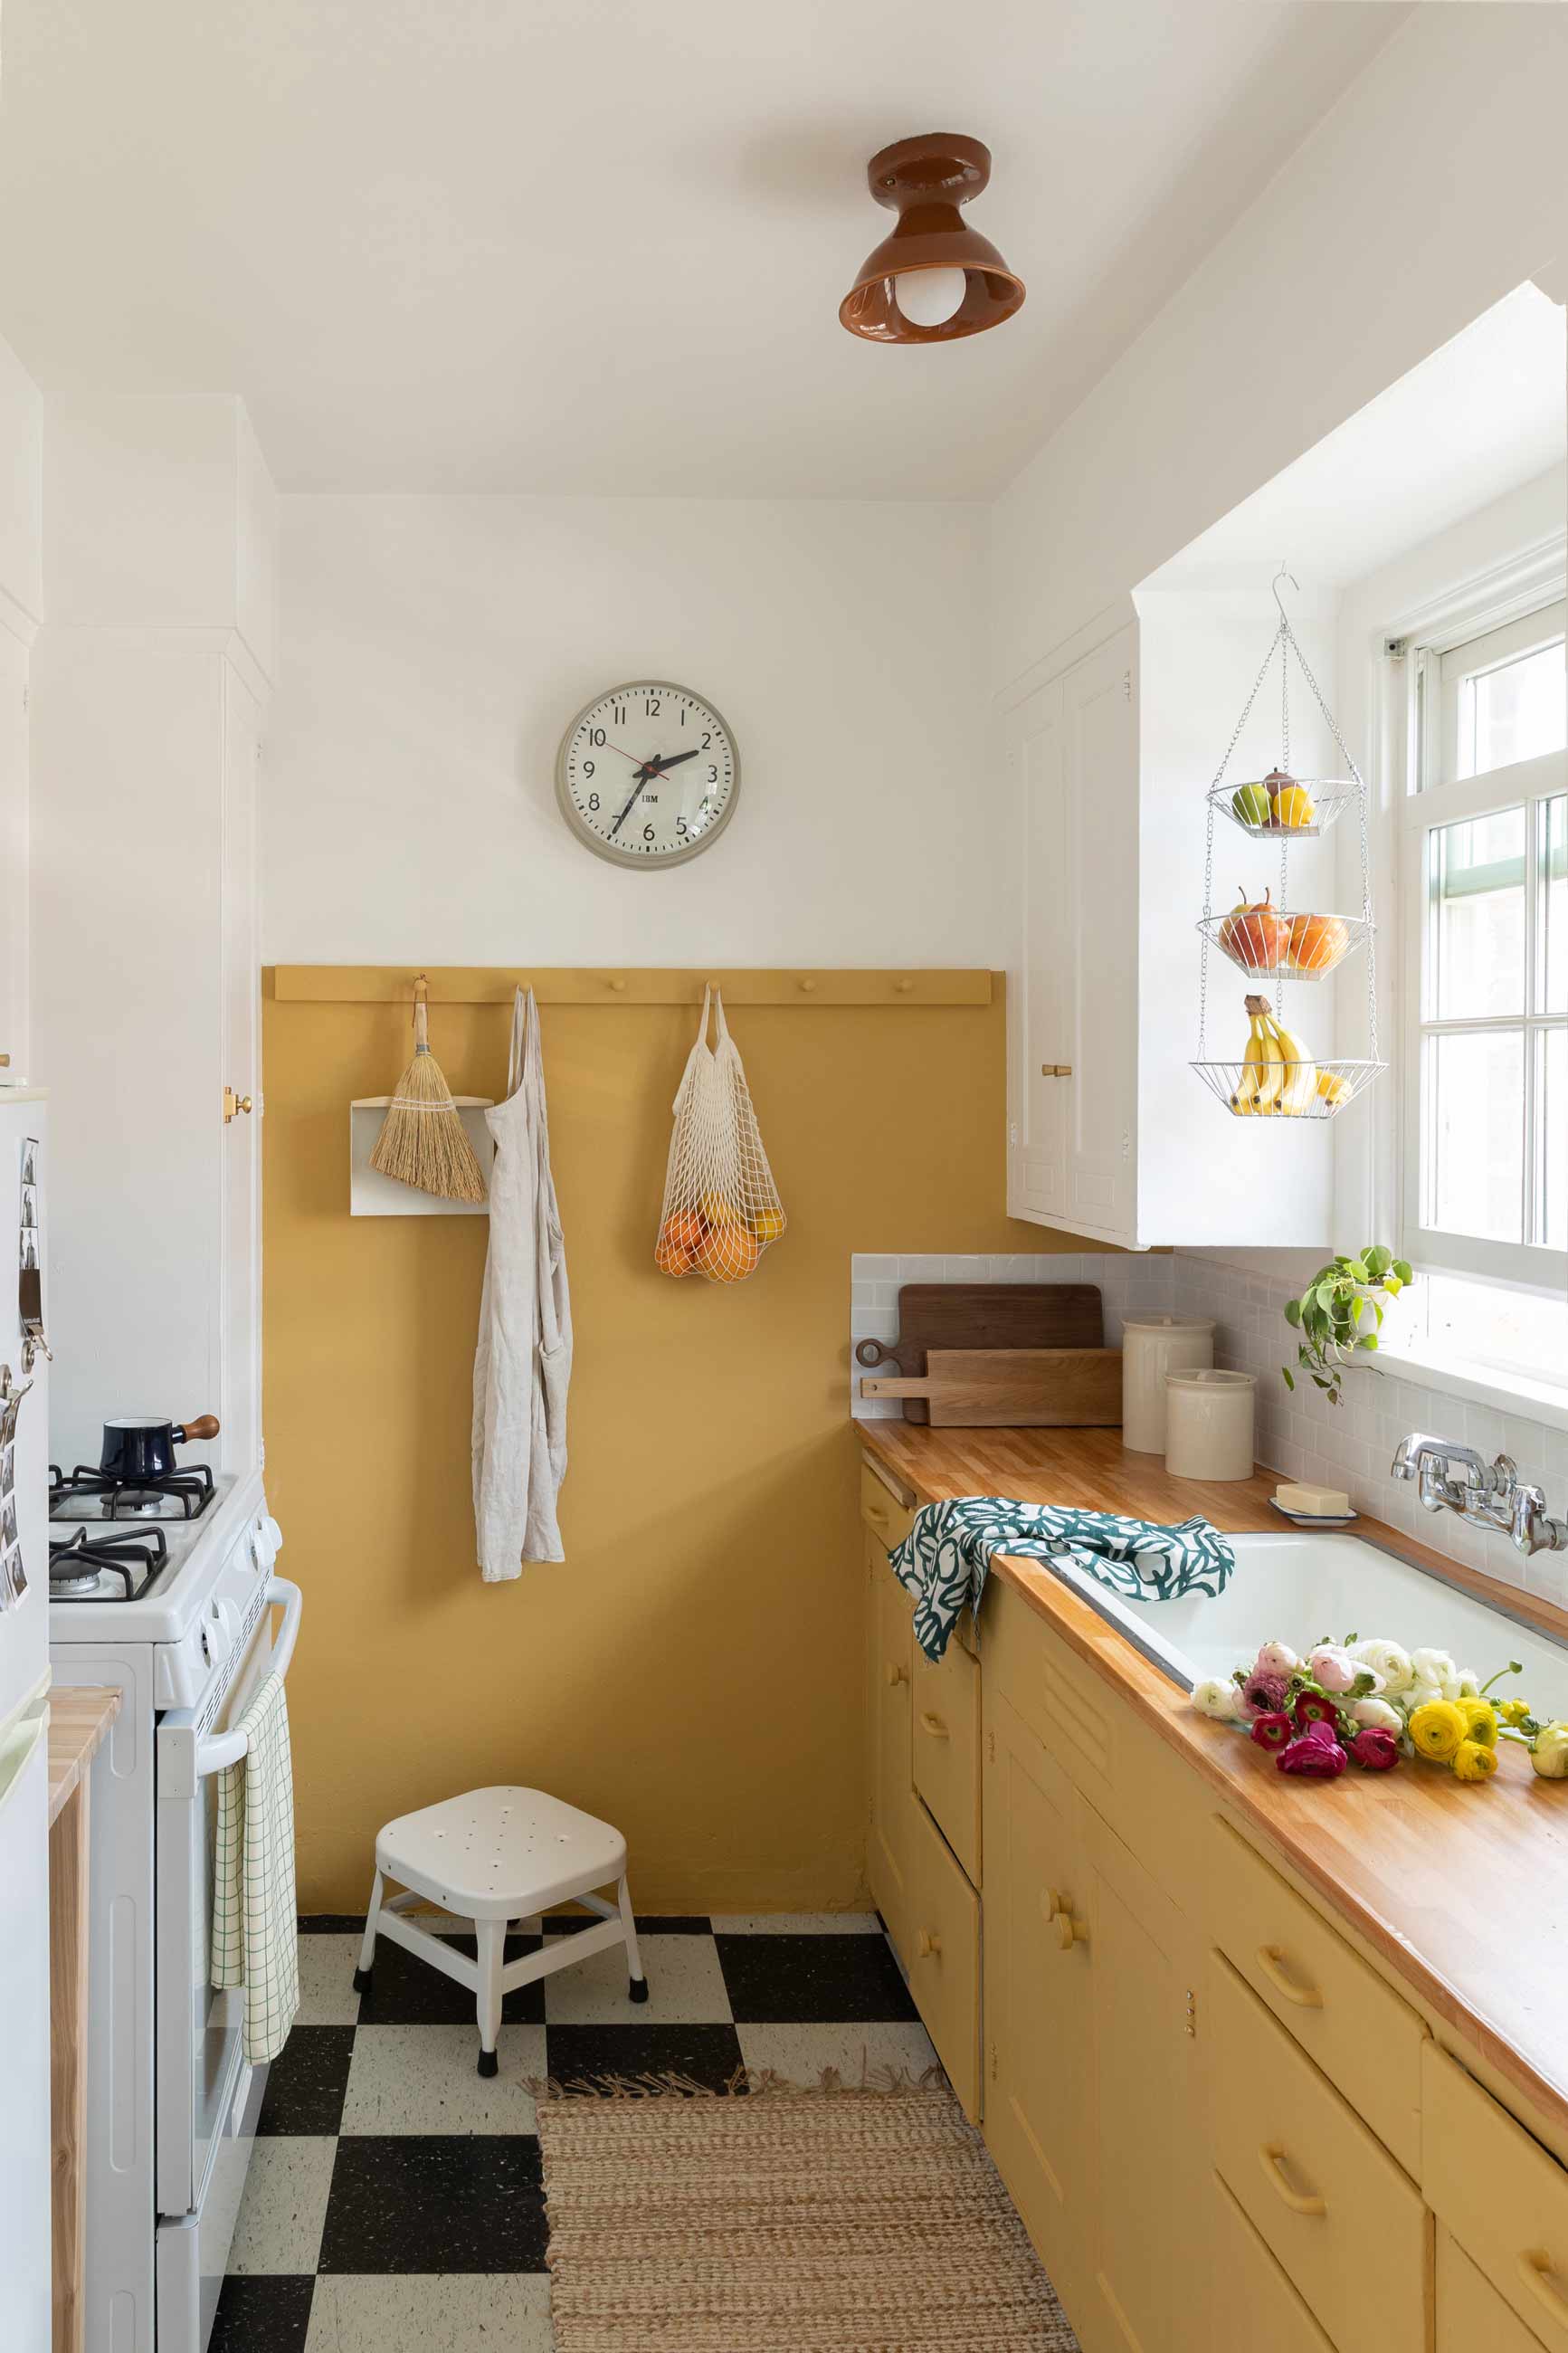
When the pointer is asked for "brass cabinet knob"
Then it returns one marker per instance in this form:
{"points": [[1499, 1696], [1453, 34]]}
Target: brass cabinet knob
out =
{"points": [[1055, 1070], [927, 1947], [234, 1104], [896, 1673]]}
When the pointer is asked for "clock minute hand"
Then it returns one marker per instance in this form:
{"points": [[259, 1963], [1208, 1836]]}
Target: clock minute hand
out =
{"points": [[636, 794]]}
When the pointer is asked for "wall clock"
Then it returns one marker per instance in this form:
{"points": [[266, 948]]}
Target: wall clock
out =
{"points": [[648, 774]]}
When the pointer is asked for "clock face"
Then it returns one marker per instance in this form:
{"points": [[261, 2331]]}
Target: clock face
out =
{"points": [[649, 774]]}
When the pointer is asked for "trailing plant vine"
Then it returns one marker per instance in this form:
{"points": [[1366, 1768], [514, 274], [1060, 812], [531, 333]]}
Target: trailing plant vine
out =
{"points": [[1331, 1315]]}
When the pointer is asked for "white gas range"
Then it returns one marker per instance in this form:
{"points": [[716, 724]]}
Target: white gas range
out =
{"points": [[179, 1614]]}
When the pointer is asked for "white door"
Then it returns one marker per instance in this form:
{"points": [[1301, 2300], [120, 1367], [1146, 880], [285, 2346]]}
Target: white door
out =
{"points": [[1040, 1006], [239, 1287], [1100, 770]]}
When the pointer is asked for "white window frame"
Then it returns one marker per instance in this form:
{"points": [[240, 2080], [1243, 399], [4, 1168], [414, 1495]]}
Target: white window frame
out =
{"points": [[1514, 615]]}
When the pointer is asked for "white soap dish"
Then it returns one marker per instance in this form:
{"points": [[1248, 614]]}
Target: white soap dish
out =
{"points": [[1315, 1519]]}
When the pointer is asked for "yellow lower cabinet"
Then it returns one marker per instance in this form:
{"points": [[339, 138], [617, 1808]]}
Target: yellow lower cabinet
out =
{"points": [[944, 1955], [1038, 2004], [946, 1708], [1335, 2211], [1143, 1964], [1470, 2313], [1250, 2296], [890, 1666], [1503, 2196]]}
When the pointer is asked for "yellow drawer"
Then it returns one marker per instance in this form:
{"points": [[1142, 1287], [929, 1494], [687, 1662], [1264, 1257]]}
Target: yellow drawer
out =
{"points": [[1470, 2313], [881, 1511], [1253, 2298], [1504, 2199], [946, 1737], [1360, 2034], [943, 1956], [1332, 2205]]}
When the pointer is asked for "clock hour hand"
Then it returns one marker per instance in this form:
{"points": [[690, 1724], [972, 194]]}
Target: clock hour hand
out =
{"points": [[659, 765]]}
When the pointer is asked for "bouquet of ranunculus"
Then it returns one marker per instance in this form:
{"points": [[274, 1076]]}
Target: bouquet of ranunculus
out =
{"points": [[1372, 1702]]}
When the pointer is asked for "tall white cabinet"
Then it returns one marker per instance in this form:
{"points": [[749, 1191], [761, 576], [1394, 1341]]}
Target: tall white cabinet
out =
{"points": [[147, 742]]}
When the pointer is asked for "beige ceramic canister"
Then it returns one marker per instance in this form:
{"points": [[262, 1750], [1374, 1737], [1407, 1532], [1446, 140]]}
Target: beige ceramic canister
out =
{"points": [[1209, 1418], [1151, 1346]]}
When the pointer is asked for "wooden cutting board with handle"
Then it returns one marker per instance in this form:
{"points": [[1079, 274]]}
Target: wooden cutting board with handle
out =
{"points": [[1013, 1388], [984, 1316]]}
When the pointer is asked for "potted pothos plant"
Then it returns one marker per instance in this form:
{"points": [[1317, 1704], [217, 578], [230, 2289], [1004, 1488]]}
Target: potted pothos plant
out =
{"points": [[1331, 1315]]}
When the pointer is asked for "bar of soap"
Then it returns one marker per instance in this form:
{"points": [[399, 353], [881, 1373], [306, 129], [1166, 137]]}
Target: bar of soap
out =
{"points": [[1313, 1503]]}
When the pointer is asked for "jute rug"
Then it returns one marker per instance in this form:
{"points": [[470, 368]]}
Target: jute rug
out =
{"points": [[786, 2222]]}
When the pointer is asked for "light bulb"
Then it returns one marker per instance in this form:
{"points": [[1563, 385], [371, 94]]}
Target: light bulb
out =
{"points": [[929, 298]]}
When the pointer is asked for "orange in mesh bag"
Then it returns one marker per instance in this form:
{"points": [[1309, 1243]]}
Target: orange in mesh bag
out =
{"points": [[721, 1208]]}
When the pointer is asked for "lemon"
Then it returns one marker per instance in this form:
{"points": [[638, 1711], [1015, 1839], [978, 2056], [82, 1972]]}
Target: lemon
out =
{"points": [[1294, 808]]}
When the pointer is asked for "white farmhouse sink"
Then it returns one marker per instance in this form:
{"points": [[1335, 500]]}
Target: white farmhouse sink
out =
{"points": [[1296, 1589]]}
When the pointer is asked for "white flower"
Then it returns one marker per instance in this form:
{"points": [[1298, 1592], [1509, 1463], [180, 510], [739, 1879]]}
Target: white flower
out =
{"points": [[1437, 1667], [1418, 1694], [1469, 1684], [1549, 1754], [1377, 1712], [1277, 1659], [1223, 1701], [1388, 1660]]}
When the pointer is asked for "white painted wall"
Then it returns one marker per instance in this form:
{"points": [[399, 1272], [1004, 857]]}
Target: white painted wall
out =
{"points": [[436, 648], [21, 608], [1424, 195]]}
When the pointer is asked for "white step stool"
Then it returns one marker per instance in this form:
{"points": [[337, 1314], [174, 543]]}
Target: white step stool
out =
{"points": [[493, 1856]]}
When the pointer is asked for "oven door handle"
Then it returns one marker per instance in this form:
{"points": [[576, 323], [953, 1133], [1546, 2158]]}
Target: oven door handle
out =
{"points": [[186, 1759]]}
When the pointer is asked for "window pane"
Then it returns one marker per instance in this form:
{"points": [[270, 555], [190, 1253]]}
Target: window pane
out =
{"points": [[1476, 1128], [1514, 713], [1476, 872], [1552, 1140], [1553, 853]]}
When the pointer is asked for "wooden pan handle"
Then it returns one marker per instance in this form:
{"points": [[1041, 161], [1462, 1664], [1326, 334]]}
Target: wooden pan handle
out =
{"points": [[205, 1425], [871, 1352]]}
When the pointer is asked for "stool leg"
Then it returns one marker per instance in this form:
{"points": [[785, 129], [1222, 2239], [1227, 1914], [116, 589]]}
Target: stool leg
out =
{"points": [[491, 1935], [638, 1986], [367, 1949]]}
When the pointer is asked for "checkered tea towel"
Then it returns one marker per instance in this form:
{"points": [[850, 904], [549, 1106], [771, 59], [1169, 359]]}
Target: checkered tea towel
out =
{"points": [[943, 1559], [255, 1934]]}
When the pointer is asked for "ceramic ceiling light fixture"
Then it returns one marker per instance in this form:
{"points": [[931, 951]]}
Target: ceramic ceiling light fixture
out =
{"points": [[934, 277]]}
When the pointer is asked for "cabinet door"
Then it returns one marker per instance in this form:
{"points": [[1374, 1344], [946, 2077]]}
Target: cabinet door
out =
{"points": [[1040, 998], [1143, 1972], [238, 1351], [1038, 2006], [1099, 777], [890, 1656]]}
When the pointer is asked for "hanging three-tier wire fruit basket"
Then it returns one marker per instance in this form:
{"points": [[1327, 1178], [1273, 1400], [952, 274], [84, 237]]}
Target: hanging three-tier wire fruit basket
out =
{"points": [[1277, 1076]]}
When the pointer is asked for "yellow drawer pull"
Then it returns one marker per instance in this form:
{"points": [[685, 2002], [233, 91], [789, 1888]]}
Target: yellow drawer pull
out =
{"points": [[875, 1514], [927, 1947], [1535, 2271], [1270, 1961], [1298, 2200], [1050, 1902], [1070, 1932], [897, 1675], [934, 1726]]}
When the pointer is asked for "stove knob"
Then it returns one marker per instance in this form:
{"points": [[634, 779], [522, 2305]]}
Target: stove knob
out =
{"points": [[274, 1534], [217, 1639], [228, 1618]]}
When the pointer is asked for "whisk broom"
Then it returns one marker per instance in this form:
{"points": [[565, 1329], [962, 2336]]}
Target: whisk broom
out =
{"points": [[423, 1142]]}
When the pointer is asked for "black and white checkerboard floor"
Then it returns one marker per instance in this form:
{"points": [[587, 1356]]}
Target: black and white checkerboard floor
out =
{"points": [[395, 2199]]}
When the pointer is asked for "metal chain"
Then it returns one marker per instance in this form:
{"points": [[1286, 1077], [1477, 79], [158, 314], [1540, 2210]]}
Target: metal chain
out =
{"points": [[1274, 646], [1357, 780]]}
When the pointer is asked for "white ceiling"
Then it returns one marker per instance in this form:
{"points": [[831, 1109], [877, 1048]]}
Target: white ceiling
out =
{"points": [[1485, 413], [576, 246]]}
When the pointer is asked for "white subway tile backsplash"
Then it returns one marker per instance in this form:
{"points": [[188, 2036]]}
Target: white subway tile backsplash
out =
{"points": [[866, 1267]]}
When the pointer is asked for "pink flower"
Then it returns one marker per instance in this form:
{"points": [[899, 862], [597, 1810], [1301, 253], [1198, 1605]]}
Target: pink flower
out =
{"points": [[1273, 1729], [1264, 1694], [1313, 1755], [1333, 1668], [1374, 1749], [1320, 1728]]}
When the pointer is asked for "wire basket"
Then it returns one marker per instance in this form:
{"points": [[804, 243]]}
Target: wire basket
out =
{"points": [[1287, 1089], [1263, 939], [1323, 799]]}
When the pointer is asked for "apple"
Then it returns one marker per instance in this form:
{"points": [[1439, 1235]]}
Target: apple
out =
{"points": [[1250, 805]]}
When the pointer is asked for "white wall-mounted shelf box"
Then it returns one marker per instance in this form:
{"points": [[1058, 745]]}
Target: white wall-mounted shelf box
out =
{"points": [[372, 1195]]}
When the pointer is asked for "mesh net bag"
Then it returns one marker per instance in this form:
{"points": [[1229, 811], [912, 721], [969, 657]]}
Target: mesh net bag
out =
{"points": [[721, 1208]]}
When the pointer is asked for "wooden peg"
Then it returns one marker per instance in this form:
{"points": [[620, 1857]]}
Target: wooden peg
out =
{"points": [[808, 986], [903, 986], [619, 986]]}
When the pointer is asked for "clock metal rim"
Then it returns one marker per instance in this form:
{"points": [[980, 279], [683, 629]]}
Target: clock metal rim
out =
{"points": [[604, 850]]}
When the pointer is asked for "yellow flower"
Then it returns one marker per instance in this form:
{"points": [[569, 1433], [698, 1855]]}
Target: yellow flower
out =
{"points": [[1437, 1728], [1473, 1761], [1512, 1711], [1480, 1721]]}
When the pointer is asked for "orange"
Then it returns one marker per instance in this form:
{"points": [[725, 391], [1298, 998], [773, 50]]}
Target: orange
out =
{"points": [[768, 1225], [678, 1238], [727, 1254], [714, 1209]]}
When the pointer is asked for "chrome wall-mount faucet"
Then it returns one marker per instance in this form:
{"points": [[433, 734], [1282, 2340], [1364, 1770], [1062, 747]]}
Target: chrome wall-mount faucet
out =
{"points": [[1489, 1493]]}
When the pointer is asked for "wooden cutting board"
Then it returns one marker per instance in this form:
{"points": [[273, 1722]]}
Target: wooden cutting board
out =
{"points": [[1013, 1388], [984, 1316]]}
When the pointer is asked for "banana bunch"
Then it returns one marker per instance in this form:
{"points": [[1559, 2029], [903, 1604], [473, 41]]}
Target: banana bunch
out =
{"points": [[1278, 1077]]}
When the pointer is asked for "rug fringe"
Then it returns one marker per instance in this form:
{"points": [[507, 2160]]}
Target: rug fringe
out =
{"points": [[751, 2083]]}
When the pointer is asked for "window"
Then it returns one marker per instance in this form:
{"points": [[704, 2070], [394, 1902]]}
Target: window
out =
{"points": [[1486, 885]]}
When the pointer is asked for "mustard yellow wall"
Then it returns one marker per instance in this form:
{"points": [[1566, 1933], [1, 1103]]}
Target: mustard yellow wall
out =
{"points": [[691, 1671]]}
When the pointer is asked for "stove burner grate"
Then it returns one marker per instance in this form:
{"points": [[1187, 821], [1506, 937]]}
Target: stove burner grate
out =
{"points": [[77, 1565], [134, 1499]]}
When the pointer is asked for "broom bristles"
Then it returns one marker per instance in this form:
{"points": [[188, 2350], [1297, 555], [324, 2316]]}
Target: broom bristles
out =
{"points": [[422, 1141]]}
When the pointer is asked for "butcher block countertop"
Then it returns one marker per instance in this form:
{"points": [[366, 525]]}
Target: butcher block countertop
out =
{"points": [[1463, 1890]]}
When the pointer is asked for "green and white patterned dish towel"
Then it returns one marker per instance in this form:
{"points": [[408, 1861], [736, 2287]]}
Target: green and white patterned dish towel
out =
{"points": [[255, 1917], [943, 1559]]}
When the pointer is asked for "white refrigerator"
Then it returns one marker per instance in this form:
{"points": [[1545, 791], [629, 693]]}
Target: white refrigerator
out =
{"points": [[24, 2146]]}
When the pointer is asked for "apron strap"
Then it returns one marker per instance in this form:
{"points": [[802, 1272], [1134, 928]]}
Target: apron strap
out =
{"points": [[515, 1058]]}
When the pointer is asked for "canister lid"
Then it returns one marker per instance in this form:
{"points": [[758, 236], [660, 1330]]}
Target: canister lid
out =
{"points": [[1167, 1323], [1202, 1377]]}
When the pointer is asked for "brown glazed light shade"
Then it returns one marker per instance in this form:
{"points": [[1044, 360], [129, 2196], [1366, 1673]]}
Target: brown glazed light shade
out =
{"points": [[924, 181]]}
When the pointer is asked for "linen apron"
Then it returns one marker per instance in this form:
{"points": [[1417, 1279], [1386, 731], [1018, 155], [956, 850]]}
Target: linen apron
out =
{"points": [[524, 1361]]}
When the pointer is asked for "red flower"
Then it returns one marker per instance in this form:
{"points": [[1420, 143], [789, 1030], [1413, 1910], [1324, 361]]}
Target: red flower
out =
{"points": [[1273, 1730], [1312, 1707], [1313, 1755], [1374, 1749], [1322, 1727]]}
